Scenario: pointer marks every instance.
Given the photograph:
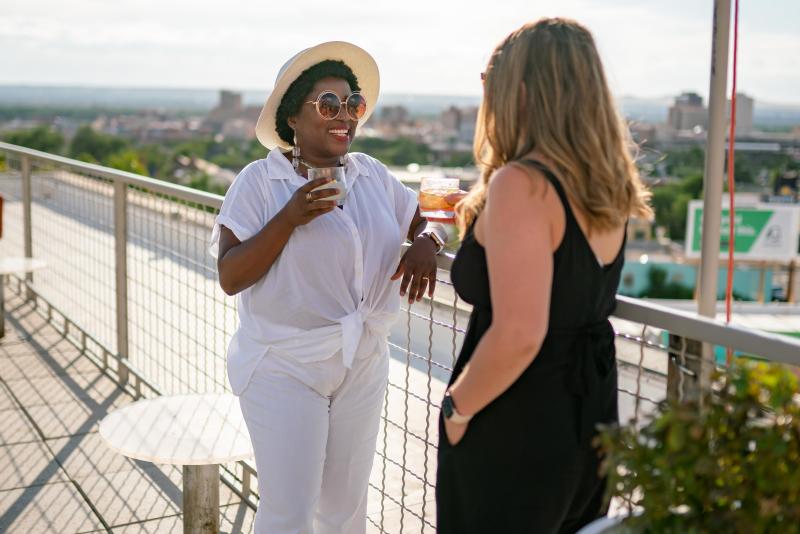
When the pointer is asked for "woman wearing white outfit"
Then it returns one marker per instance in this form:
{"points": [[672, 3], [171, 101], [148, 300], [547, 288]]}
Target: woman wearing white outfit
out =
{"points": [[319, 288]]}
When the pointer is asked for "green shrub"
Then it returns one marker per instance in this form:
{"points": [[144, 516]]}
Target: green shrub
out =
{"points": [[727, 464]]}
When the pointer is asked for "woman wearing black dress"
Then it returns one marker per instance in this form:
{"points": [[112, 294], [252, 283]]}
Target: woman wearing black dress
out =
{"points": [[543, 245]]}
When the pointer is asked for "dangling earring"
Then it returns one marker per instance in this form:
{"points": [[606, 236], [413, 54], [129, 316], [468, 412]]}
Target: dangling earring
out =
{"points": [[295, 154]]}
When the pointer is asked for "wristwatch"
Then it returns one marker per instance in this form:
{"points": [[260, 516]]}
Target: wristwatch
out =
{"points": [[436, 240], [450, 413]]}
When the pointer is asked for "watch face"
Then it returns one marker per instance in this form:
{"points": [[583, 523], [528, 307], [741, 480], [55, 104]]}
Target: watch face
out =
{"points": [[447, 407]]}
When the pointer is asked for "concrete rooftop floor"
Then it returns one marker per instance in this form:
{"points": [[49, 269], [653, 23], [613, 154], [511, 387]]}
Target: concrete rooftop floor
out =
{"points": [[56, 475]]}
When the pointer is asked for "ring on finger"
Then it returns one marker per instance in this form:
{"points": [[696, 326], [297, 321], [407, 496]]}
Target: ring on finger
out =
{"points": [[309, 198]]}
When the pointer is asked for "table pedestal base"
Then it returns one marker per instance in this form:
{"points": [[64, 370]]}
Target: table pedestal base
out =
{"points": [[201, 499]]}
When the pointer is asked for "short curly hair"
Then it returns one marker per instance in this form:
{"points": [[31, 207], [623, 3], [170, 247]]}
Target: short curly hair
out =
{"points": [[295, 95]]}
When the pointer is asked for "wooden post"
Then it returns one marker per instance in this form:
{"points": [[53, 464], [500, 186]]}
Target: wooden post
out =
{"points": [[762, 275], [201, 499], [121, 271], [790, 283]]}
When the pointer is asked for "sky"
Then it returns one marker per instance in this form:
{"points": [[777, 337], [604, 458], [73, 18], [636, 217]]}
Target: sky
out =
{"points": [[651, 48]]}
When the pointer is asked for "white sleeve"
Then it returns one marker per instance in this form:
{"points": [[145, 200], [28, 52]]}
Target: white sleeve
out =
{"points": [[244, 210]]}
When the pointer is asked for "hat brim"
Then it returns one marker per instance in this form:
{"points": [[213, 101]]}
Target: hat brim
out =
{"points": [[360, 62]]}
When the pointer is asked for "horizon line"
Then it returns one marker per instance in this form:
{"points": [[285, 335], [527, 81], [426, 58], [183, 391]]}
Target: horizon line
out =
{"points": [[57, 85]]}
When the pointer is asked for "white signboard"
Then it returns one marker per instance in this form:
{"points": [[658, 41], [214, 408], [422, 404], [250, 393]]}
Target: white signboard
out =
{"points": [[761, 232]]}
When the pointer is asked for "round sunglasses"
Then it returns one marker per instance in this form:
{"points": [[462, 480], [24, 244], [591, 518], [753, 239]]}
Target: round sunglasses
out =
{"points": [[329, 106]]}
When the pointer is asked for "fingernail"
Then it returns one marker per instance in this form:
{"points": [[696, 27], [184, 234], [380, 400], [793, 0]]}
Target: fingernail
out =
{"points": [[402, 293]]}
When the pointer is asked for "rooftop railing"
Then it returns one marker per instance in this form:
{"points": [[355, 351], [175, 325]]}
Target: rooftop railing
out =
{"points": [[130, 282]]}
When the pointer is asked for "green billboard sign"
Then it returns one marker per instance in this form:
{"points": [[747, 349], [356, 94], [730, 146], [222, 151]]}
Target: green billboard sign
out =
{"points": [[761, 232]]}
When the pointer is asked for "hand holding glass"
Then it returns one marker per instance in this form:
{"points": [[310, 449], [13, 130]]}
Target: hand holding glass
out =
{"points": [[435, 197], [338, 183]]}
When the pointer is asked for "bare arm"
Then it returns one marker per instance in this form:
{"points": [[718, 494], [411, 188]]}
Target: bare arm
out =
{"points": [[242, 263], [518, 243], [418, 265], [418, 223]]}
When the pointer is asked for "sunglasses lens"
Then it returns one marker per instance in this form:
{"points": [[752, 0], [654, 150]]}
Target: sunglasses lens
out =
{"points": [[328, 105], [356, 106]]}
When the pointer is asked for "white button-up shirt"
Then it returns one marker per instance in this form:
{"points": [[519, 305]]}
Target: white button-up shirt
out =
{"points": [[330, 287]]}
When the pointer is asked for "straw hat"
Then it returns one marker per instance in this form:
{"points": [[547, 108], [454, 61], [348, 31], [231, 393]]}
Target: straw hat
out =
{"points": [[359, 61]]}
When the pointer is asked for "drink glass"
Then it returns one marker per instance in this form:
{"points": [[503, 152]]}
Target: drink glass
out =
{"points": [[433, 204], [338, 183]]}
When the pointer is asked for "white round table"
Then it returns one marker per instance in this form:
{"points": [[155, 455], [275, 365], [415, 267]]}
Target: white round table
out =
{"points": [[14, 266], [198, 432]]}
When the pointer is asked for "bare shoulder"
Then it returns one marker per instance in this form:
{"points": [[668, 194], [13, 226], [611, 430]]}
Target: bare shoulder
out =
{"points": [[516, 183], [522, 199]]}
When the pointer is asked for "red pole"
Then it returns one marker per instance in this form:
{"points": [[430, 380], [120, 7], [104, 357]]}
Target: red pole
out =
{"points": [[731, 182]]}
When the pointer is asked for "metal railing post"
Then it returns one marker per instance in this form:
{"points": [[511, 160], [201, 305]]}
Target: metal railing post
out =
{"points": [[688, 374], [714, 165], [121, 268], [25, 162]]}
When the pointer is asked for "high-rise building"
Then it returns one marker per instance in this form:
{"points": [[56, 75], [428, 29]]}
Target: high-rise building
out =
{"points": [[230, 101], [689, 99], [688, 113], [466, 125], [450, 118]]}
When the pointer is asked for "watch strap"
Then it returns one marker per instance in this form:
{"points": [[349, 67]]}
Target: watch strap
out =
{"points": [[454, 416], [437, 241]]}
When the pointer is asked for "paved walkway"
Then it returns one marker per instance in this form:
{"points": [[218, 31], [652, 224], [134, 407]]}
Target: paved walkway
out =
{"points": [[56, 475]]}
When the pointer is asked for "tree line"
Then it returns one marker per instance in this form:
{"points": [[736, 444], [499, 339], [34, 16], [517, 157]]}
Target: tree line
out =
{"points": [[682, 169]]}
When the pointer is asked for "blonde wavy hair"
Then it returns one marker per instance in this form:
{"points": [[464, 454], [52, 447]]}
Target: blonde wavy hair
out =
{"points": [[545, 90]]}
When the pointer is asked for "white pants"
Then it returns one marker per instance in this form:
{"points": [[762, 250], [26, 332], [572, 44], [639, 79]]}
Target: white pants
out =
{"points": [[314, 428]]}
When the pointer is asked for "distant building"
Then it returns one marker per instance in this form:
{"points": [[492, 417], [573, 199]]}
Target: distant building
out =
{"points": [[643, 133], [744, 114], [231, 118], [450, 119], [230, 101], [458, 124], [688, 113], [689, 99], [396, 115], [466, 127]]}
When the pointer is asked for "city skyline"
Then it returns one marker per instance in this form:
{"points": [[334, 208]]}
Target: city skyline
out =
{"points": [[650, 50]]}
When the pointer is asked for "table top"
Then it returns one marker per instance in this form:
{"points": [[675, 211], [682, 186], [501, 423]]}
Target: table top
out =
{"points": [[180, 430], [20, 265]]}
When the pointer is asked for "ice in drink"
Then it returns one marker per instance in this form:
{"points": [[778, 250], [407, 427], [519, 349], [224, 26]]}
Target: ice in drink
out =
{"points": [[433, 203]]}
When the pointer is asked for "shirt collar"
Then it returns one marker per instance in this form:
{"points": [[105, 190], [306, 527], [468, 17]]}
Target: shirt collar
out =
{"points": [[280, 168]]}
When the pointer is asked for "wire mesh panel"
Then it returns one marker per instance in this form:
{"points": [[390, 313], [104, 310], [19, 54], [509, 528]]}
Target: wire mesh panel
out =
{"points": [[72, 232], [642, 366], [179, 319], [423, 345], [72, 218], [11, 242]]}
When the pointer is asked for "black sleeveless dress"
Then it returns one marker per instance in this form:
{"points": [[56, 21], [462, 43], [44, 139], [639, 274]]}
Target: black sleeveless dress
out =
{"points": [[526, 463]]}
